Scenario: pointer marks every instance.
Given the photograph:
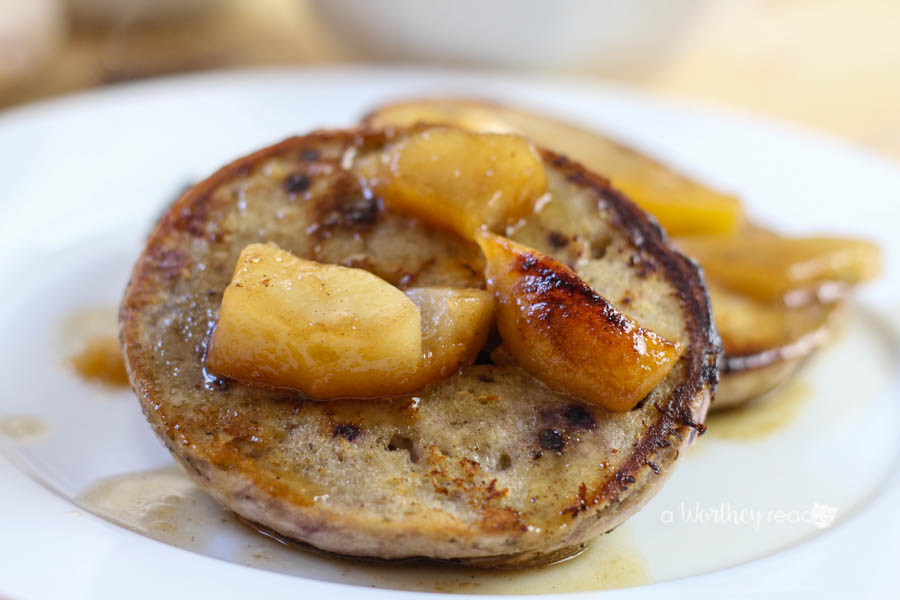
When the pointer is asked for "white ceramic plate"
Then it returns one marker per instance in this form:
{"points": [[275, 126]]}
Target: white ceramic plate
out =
{"points": [[800, 495]]}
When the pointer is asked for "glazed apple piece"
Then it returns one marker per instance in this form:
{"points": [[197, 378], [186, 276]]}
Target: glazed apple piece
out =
{"points": [[455, 325], [458, 180], [749, 326], [770, 267], [682, 205], [326, 330], [565, 334], [333, 332]]}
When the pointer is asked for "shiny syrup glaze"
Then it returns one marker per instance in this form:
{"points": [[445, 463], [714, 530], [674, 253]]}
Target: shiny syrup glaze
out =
{"points": [[88, 341], [164, 504], [763, 416], [100, 360], [24, 429]]}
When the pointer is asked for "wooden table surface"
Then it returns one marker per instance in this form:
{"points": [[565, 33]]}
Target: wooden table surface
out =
{"points": [[832, 65]]}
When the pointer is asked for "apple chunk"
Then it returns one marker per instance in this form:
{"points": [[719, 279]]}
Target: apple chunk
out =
{"points": [[458, 180], [336, 332], [565, 334], [770, 267], [326, 330], [455, 325]]}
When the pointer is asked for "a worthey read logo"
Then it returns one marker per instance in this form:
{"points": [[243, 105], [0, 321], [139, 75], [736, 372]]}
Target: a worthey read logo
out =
{"points": [[820, 515]]}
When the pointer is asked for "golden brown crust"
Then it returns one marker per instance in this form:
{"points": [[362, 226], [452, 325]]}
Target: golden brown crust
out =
{"points": [[218, 450]]}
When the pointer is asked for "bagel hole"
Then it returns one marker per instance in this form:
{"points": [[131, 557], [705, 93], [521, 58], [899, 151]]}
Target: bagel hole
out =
{"points": [[599, 247], [504, 462], [557, 240], [401, 442]]}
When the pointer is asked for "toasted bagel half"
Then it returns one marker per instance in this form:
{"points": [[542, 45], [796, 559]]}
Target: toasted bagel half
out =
{"points": [[486, 467]]}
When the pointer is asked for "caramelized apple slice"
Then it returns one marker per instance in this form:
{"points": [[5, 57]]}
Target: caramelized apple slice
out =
{"points": [[683, 206], [565, 334], [455, 325], [770, 267], [751, 327], [326, 330], [458, 180]]}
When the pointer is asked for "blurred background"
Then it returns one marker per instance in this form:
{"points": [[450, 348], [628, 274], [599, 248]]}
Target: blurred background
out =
{"points": [[832, 65]]}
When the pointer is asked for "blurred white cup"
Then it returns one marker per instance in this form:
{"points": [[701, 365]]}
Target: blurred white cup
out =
{"points": [[597, 35]]}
